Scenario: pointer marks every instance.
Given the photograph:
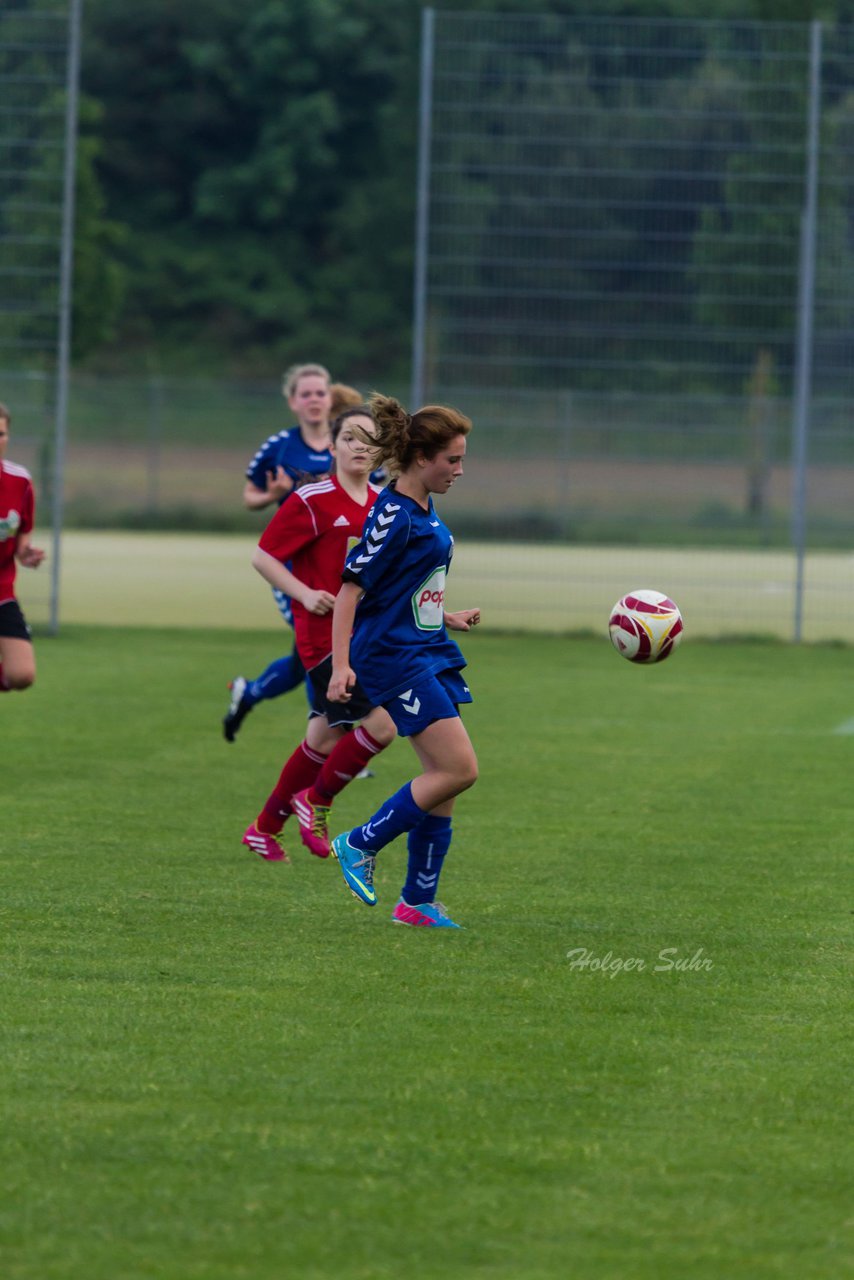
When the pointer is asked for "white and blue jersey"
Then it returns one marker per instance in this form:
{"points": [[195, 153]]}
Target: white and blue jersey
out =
{"points": [[401, 563], [303, 464], [288, 449]]}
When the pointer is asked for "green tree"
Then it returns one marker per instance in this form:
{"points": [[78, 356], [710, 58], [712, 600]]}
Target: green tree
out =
{"points": [[264, 163]]}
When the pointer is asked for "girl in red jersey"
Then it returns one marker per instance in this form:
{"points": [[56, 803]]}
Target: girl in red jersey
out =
{"points": [[312, 533], [17, 512]]}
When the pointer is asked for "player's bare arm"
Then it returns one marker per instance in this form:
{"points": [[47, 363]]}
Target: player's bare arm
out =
{"points": [[274, 572], [462, 619], [343, 676]]}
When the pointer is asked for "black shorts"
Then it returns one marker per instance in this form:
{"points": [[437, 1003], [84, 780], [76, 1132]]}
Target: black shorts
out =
{"points": [[337, 713], [12, 622]]}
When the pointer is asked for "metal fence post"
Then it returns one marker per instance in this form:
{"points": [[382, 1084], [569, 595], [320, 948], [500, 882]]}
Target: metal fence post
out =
{"points": [[422, 211], [65, 297], [155, 436], [804, 343]]}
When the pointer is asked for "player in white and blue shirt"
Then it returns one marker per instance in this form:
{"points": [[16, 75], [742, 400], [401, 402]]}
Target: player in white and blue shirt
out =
{"points": [[285, 461], [287, 456], [287, 451], [392, 600]]}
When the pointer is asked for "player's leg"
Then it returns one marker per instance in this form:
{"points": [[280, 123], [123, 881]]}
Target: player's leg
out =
{"points": [[448, 763], [428, 714], [17, 656], [346, 759], [279, 677], [427, 847], [298, 772]]}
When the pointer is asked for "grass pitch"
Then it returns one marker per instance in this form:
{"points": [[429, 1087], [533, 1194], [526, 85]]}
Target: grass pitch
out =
{"points": [[630, 1063]]}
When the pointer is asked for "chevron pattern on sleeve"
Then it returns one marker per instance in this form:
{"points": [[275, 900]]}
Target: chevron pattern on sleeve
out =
{"points": [[375, 537]]}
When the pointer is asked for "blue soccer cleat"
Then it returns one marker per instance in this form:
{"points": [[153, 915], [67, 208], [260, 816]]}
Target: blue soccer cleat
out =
{"points": [[430, 915], [357, 867]]}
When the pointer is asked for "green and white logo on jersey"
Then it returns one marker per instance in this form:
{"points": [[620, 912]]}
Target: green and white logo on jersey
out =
{"points": [[10, 525], [428, 602]]}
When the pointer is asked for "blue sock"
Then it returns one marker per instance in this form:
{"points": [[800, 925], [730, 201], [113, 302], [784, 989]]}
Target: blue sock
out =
{"points": [[428, 843], [397, 814], [280, 677]]}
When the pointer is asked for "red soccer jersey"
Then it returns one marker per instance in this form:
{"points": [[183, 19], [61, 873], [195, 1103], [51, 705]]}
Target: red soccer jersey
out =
{"points": [[17, 509], [311, 533]]}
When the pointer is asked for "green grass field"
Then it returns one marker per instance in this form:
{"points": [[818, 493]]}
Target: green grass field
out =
{"points": [[217, 1068]]}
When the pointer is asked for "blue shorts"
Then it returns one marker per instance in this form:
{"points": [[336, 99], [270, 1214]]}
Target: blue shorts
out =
{"points": [[436, 697]]}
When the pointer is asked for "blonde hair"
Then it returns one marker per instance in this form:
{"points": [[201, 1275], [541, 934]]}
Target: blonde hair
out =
{"points": [[402, 436], [4, 413], [292, 376], [343, 397]]}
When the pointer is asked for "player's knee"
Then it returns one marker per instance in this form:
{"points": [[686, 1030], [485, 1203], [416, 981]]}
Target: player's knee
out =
{"points": [[20, 679], [383, 736], [468, 774]]}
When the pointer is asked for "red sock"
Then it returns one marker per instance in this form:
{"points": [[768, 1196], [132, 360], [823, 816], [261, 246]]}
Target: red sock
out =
{"points": [[299, 772], [347, 758]]}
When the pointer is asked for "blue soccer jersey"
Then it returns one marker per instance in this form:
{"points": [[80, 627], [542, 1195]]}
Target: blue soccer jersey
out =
{"points": [[288, 449], [401, 563]]}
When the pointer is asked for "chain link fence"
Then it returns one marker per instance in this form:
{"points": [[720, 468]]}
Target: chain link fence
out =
{"points": [[39, 67], [635, 269], [616, 224]]}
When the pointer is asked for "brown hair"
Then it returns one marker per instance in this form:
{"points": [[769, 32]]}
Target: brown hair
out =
{"points": [[402, 436], [4, 413], [354, 411], [344, 397]]}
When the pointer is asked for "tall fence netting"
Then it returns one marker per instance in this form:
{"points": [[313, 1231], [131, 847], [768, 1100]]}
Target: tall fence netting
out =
{"points": [[34, 69], [612, 269], [611, 274]]}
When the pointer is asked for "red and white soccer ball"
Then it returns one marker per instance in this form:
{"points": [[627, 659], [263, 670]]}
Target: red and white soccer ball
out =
{"points": [[645, 626]]}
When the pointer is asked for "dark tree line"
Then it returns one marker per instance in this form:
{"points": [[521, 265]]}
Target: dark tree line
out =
{"points": [[247, 177]]}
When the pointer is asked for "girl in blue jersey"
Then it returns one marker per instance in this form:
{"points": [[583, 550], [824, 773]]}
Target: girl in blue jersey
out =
{"points": [[390, 629], [285, 461]]}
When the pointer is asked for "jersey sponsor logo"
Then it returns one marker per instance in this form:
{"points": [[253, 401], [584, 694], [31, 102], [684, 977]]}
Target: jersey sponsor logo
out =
{"points": [[10, 525], [342, 521], [428, 602]]}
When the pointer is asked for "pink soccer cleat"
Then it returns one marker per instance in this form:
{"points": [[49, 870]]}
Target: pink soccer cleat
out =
{"points": [[429, 915], [312, 819], [265, 845]]}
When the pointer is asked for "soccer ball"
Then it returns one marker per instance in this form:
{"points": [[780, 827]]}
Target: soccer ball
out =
{"points": [[645, 626]]}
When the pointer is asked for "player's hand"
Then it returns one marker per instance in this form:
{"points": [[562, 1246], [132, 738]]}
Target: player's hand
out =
{"points": [[319, 602], [462, 620], [342, 681], [279, 484], [31, 557]]}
